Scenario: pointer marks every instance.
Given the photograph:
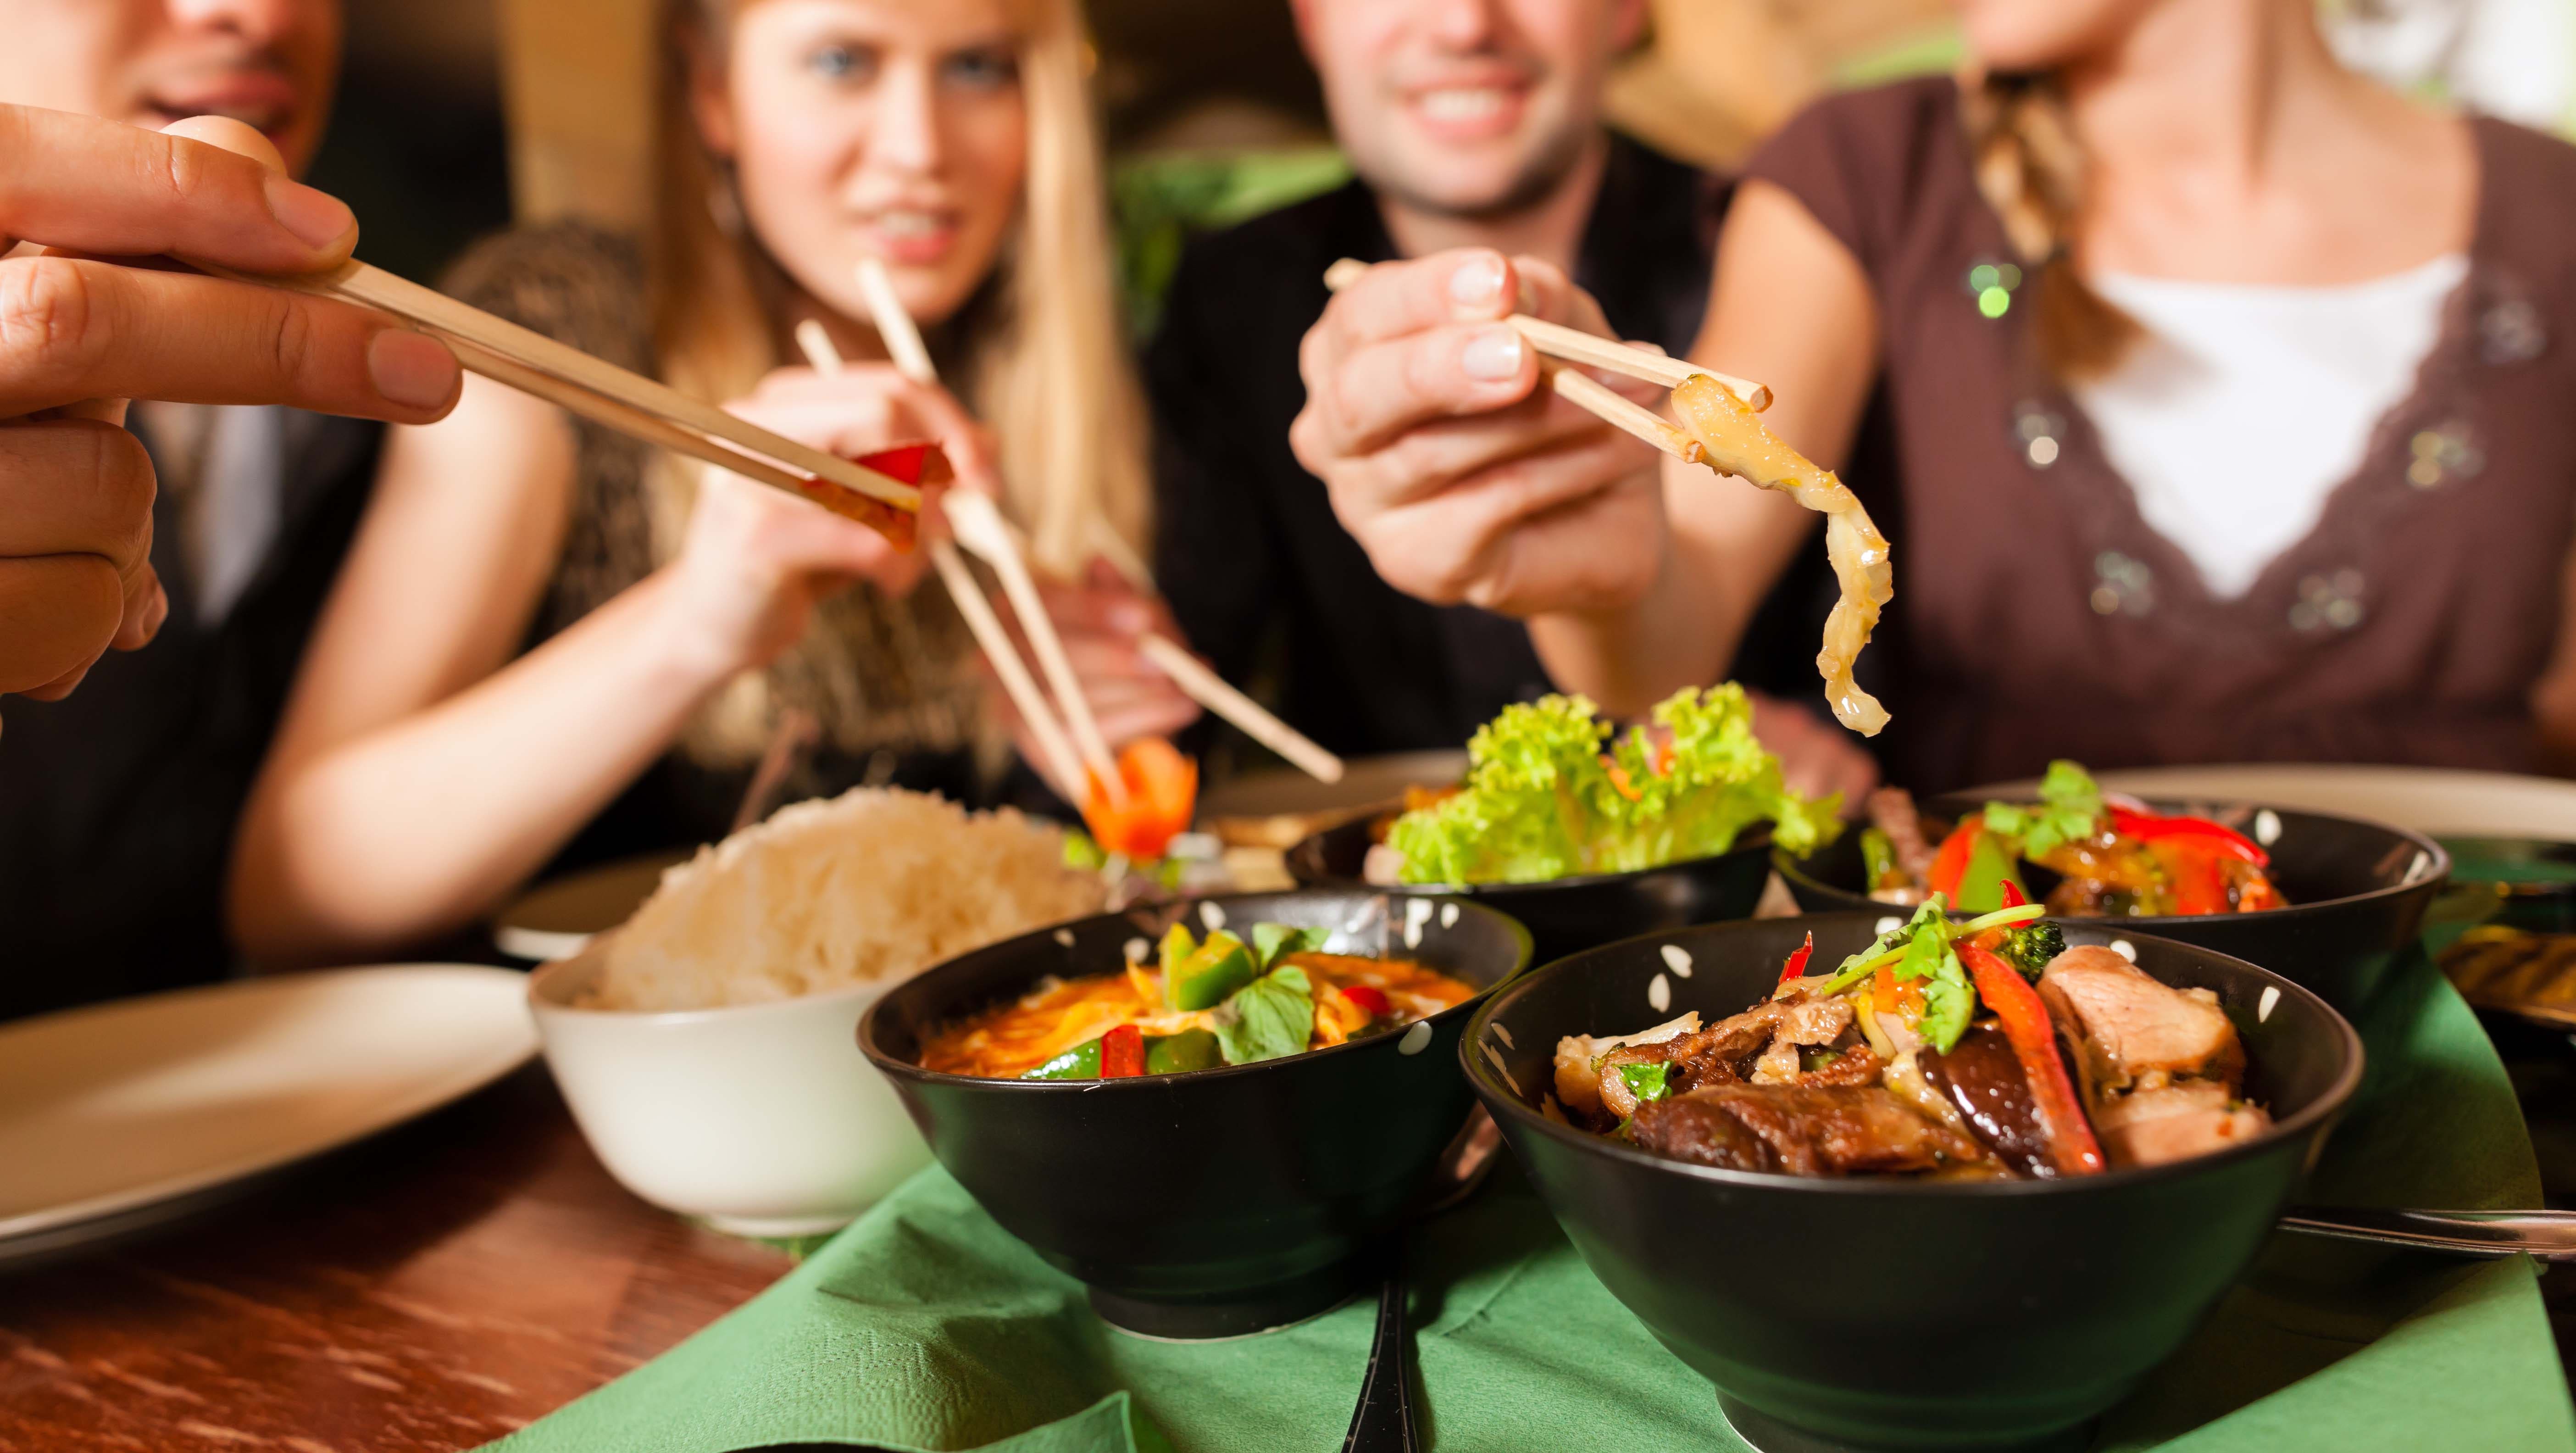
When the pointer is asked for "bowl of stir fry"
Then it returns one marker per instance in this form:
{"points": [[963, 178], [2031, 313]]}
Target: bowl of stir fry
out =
{"points": [[2327, 901], [1208, 1110], [1947, 1183]]}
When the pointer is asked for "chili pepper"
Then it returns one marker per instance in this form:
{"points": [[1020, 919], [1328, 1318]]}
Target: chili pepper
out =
{"points": [[1122, 1053], [2034, 1040], [2013, 896], [1371, 1002], [1796, 964], [2147, 828]]}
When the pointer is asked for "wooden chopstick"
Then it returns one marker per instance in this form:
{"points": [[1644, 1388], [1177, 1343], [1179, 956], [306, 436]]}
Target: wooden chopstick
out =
{"points": [[1576, 346], [1061, 761], [1212, 691], [594, 388], [977, 521]]}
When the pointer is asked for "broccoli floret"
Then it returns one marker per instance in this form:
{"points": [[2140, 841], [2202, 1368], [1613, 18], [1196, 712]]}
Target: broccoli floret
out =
{"points": [[2029, 946]]}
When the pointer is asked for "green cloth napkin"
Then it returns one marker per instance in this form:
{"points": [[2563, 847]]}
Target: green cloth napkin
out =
{"points": [[926, 1327]]}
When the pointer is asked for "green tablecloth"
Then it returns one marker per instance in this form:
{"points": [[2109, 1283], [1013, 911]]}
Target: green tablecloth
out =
{"points": [[925, 1326]]}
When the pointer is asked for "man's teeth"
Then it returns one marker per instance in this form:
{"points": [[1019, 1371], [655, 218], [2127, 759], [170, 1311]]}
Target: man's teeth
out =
{"points": [[910, 224], [1464, 103]]}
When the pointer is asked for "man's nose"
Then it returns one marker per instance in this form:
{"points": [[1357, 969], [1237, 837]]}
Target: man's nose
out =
{"points": [[259, 21], [1461, 24]]}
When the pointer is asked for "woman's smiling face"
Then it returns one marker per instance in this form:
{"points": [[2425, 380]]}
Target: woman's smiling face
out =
{"points": [[872, 128]]}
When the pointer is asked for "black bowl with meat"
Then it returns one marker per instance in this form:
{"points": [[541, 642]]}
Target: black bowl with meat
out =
{"points": [[1883, 1281], [1566, 915], [1215, 1202], [2356, 894]]}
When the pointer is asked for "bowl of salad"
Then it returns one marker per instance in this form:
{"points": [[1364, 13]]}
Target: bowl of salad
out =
{"points": [[1209, 1110], [1948, 1184], [2327, 901], [1587, 834]]}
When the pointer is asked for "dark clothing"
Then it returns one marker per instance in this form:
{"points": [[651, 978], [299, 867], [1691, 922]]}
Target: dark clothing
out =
{"points": [[118, 803], [1260, 574], [2044, 617]]}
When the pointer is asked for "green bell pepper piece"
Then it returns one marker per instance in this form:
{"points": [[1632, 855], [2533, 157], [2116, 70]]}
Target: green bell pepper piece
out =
{"points": [[1177, 945], [1877, 860], [1172, 1054], [1991, 864], [1213, 970], [1082, 1062]]}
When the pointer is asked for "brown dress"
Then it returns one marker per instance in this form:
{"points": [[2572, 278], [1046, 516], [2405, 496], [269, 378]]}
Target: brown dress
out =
{"points": [[2038, 615]]}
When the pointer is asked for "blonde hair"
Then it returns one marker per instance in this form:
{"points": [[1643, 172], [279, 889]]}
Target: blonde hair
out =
{"points": [[2030, 165], [1041, 355]]}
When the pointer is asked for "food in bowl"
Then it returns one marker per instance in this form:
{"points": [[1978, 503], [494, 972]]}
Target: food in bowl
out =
{"points": [[1978, 1050], [1543, 800], [2113, 857], [1206, 1004], [866, 887]]}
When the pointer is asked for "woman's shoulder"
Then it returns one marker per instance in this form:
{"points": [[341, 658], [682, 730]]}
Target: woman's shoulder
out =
{"points": [[1868, 163], [573, 281]]}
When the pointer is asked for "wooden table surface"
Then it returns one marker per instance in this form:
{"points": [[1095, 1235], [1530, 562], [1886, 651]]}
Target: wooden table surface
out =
{"points": [[431, 1289], [451, 1280]]}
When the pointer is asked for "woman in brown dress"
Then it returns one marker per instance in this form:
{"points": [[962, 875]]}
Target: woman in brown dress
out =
{"points": [[2383, 585]]}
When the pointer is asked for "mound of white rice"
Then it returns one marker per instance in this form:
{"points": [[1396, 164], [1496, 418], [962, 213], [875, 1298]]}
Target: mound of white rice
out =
{"points": [[873, 884]]}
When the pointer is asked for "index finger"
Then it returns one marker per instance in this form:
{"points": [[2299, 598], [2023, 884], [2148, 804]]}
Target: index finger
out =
{"points": [[112, 190]]}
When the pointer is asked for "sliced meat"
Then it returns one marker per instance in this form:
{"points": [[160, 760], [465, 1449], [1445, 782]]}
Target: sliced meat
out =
{"points": [[2175, 1122], [1891, 811], [1853, 1064], [1816, 1022], [2130, 1024], [1616, 1097], [1810, 1130], [1982, 1078], [1577, 1071], [1723, 1053]]}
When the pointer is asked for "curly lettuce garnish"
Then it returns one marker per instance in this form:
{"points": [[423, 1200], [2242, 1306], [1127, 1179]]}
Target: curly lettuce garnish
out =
{"points": [[1543, 799]]}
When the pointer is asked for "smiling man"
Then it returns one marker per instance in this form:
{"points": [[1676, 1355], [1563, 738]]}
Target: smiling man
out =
{"points": [[1468, 123], [117, 803]]}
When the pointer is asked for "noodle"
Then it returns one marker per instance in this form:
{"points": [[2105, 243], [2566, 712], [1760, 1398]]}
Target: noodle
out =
{"points": [[1735, 442]]}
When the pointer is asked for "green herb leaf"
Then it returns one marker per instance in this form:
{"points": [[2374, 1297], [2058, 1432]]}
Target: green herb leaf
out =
{"points": [[1948, 1001], [1082, 853], [1270, 1018], [2069, 809], [1646, 1082], [1272, 942]]}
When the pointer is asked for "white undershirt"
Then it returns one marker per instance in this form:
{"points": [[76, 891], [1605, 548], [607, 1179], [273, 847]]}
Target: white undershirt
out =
{"points": [[2284, 384]]}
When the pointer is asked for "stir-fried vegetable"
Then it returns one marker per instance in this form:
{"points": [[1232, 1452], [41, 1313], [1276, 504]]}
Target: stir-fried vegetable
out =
{"points": [[2025, 1022], [1543, 799], [1161, 791]]}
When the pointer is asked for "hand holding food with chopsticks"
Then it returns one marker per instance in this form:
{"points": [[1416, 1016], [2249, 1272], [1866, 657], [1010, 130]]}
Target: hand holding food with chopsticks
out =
{"points": [[1426, 420]]}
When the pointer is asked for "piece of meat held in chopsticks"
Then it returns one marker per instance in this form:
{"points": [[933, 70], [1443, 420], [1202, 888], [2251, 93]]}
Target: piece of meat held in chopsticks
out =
{"points": [[1735, 442]]}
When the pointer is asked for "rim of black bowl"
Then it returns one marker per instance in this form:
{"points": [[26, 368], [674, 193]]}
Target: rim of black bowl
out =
{"points": [[906, 1069], [1789, 866], [1753, 839], [1492, 1088]]}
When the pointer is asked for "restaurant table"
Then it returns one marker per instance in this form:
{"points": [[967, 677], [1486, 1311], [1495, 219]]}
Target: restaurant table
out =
{"points": [[451, 1280]]}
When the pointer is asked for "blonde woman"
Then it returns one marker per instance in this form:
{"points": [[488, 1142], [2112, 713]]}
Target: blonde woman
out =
{"points": [[2225, 391], [543, 624]]}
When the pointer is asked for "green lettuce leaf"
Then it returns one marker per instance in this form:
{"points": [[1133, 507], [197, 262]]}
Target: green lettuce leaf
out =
{"points": [[1549, 794], [1270, 1018]]}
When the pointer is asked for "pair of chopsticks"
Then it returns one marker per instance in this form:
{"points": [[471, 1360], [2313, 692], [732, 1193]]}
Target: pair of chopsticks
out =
{"points": [[1562, 345], [981, 527]]}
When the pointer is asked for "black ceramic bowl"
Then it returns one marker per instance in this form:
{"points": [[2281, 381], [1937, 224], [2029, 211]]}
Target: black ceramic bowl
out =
{"points": [[2357, 892], [1884, 1313], [1222, 1202], [1568, 915]]}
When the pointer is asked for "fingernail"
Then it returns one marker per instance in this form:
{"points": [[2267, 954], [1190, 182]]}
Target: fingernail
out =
{"points": [[317, 218], [1493, 355], [409, 369], [1476, 283]]}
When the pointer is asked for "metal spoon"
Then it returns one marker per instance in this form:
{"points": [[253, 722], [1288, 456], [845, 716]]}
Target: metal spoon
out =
{"points": [[2541, 1235], [1383, 1421]]}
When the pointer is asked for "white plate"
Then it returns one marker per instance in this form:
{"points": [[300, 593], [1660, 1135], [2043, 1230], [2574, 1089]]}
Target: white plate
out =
{"points": [[555, 920], [2438, 801], [111, 1112]]}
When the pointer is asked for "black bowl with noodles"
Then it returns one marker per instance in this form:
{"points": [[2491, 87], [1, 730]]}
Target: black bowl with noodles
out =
{"points": [[2357, 889], [1568, 915], [1220, 1202], [1884, 1313]]}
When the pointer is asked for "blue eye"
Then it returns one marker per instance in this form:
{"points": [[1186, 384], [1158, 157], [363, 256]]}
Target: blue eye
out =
{"points": [[984, 70], [840, 62]]}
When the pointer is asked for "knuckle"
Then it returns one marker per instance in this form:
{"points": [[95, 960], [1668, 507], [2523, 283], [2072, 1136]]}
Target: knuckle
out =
{"points": [[47, 308], [288, 337]]}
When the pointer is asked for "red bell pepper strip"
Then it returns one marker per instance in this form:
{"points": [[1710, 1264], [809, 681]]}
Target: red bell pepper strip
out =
{"points": [[1796, 964], [2192, 874], [1950, 864], [2034, 1040], [2148, 828], [2013, 896], [1370, 1001], [1122, 1053]]}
